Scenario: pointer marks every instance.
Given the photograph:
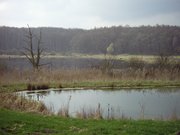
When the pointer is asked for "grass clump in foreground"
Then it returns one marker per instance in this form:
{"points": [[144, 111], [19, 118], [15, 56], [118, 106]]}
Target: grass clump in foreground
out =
{"points": [[15, 102], [12, 122]]}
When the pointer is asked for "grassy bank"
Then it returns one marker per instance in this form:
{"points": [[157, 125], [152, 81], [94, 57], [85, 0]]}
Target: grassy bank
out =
{"points": [[12, 122], [120, 84], [116, 84]]}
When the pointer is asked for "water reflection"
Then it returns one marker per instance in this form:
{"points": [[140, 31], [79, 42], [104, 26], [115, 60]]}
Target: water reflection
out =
{"points": [[136, 104]]}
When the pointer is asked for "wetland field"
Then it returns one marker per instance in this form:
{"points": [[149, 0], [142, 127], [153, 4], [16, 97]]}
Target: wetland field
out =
{"points": [[120, 95]]}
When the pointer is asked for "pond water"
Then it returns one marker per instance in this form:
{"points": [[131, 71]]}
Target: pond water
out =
{"points": [[135, 104]]}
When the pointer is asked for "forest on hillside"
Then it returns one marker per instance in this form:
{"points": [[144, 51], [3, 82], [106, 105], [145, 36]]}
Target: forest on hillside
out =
{"points": [[145, 40]]}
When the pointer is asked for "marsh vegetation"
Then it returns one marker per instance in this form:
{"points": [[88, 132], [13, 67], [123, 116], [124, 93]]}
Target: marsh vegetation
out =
{"points": [[132, 72]]}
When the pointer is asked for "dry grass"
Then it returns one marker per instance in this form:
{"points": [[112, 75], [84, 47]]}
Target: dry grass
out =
{"points": [[45, 76], [90, 113], [64, 110], [163, 69], [84, 75], [15, 102]]}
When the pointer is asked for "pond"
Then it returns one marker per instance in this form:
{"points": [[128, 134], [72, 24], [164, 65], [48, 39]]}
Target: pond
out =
{"points": [[135, 104]]}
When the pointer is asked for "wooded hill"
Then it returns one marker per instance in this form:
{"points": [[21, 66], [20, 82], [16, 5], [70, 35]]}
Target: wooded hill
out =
{"points": [[149, 40]]}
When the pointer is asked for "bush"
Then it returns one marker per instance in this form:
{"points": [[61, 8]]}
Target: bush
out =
{"points": [[136, 63], [162, 61], [3, 66], [37, 87]]}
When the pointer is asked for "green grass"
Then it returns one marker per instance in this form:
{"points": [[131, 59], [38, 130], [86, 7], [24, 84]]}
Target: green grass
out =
{"points": [[12, 87], [124, 84], [12, 122]]}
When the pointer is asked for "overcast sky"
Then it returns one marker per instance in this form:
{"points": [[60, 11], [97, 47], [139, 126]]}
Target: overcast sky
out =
{"points": [[88, 13]]}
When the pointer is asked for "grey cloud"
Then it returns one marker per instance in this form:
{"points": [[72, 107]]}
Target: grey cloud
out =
{"points": [[116, 10], [88, 13]]}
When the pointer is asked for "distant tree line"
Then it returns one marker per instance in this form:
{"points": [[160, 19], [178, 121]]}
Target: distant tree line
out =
{"points": [[148, 40]]}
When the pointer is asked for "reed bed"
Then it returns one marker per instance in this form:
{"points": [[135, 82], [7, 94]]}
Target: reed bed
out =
{"points": [[59, 76]]}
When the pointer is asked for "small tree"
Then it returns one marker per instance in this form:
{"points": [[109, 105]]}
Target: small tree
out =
{"points": [[108, 62], [110, 49], [33, 54]]}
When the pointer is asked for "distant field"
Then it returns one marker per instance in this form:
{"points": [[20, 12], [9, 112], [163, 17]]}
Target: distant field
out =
{"points": [[124, 57]]}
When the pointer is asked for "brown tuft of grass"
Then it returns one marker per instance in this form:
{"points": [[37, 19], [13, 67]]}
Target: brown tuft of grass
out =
{"points": [[86, 113], [64, 111], [30, 87], [15, 102], [90, 113], [174, 115]]}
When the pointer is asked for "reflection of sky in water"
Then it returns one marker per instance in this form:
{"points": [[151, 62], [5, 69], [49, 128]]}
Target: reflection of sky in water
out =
{"points": [[155, 104]]}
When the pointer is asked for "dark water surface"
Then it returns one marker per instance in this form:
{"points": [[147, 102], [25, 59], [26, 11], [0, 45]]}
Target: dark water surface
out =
{"points": [[136, 104], [56, 63]]}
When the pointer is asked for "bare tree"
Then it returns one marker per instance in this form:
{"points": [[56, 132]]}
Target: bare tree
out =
{"points": [[33, 54]]}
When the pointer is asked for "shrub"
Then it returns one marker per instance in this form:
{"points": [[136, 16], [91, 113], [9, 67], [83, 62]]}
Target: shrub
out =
{"points": [[136, 63], [37, 87]]}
